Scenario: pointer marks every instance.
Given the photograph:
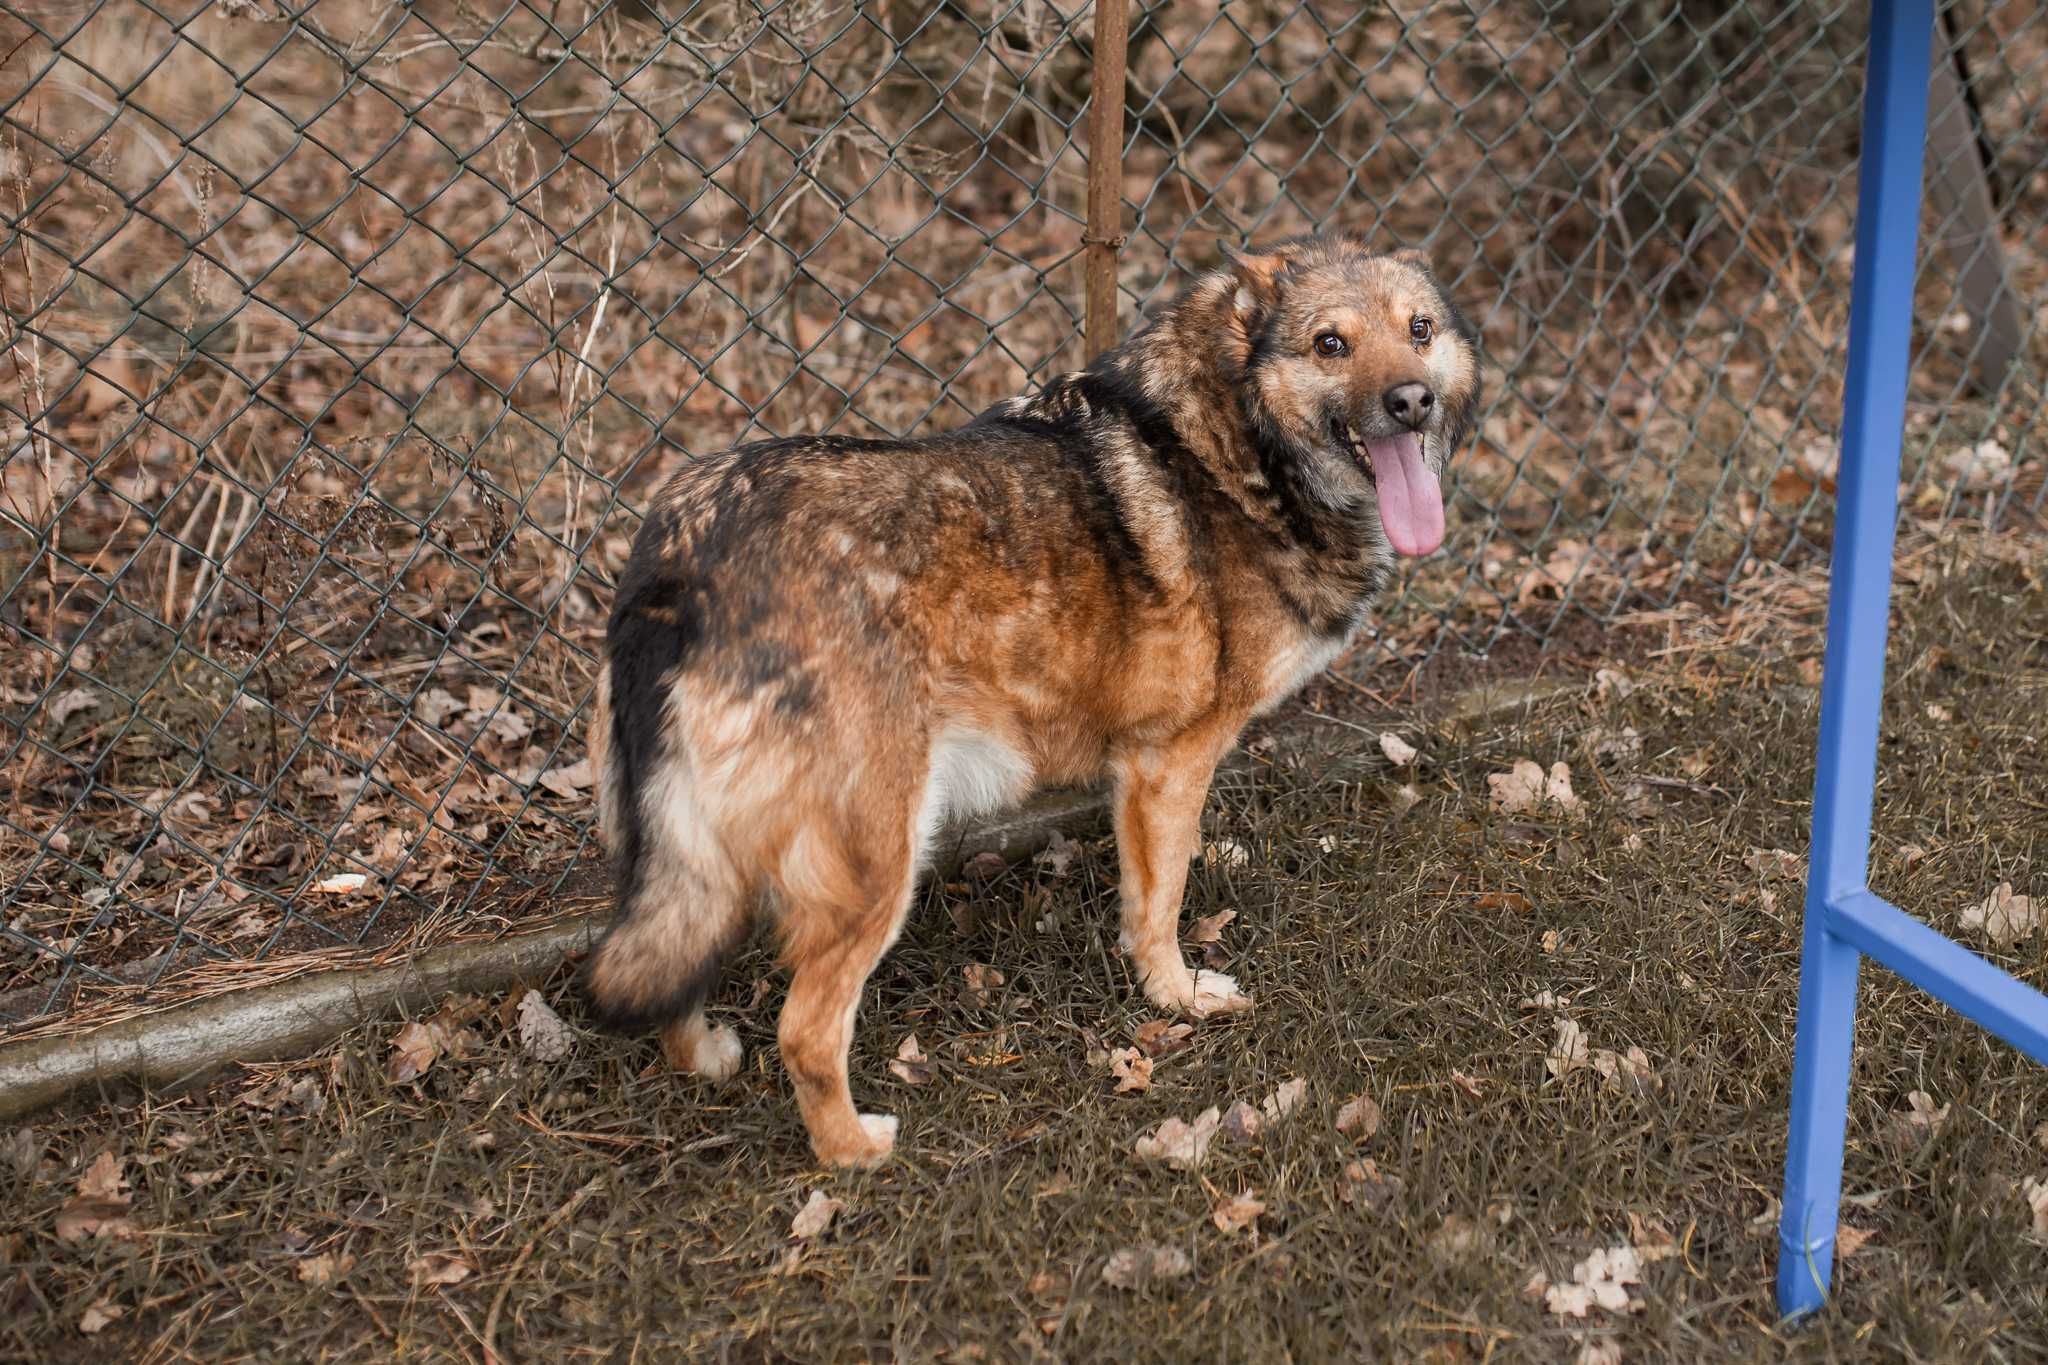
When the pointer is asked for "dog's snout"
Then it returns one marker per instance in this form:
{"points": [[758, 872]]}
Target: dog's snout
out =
{"points": [[1409, 404]]}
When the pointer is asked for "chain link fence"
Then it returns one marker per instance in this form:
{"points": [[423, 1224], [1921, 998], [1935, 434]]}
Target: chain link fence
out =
{"points": [[343, 341]]}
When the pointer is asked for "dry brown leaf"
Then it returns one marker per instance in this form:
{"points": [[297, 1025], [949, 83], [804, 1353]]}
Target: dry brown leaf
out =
{"points": [[103, 1179], [1363, 1181], [982, 983], [1599, 1281], [1283, 1101], [910, 1066], [1236, 1211], [98, 1316], [1653, 1241], [1922, 1119], [1399, 751], [1179, 1144], [1606, 1351], [414, 1049], [1135, 1267], [2003, 917], [1525, 787], [1517, 790], [1359, 1118], [1209, 928], [1543, 1000], [1242, 1124], [81, 1218], [439, 1267], [1057, 857], [1225, 853], [1569, 1052], [1162, 1038], [815, 1216], [1513, 901], [1469, 1084], [1552, 940], [1132, 1069], [1849, 1241], [1766, 862], [325, 1268], [1629, 1070], [2035, 1193]]}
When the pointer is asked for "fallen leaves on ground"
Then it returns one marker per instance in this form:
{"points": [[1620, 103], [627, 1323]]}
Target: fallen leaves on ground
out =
{"points": [[1525, 787], [1921, 1119], [910, 1067], [1569, 1052], [100, 1208], [1057, 857], [325, 1268], [1234, 1212], [439, 1267], [1399, 751], [1135, 1267], [98, 1316], [419, 1044], [1180, 1144], [1242, 1124], [1359, 1118], [1158, 1038], [2003, 917], [815, 1216], [1600, 1281], [1209, 928], [982, 983], [1225, 853], [2035, 1193], [542, 1034], [1363, 1183], [1132, 1069], [1283, 1101], [1849, 1241]]}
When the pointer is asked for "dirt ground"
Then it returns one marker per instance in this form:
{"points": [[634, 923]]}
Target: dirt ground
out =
{"points": [[1400, 931]]}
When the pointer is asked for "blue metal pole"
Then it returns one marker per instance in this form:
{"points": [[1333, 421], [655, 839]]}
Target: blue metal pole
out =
{"points": [[1859, 602]]}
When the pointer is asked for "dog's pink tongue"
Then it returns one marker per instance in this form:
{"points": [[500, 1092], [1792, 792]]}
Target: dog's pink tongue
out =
{"points": [[1411, 503]]}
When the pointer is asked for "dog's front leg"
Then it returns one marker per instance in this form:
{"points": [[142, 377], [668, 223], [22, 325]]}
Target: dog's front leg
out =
{"points": [[1159, 794]]}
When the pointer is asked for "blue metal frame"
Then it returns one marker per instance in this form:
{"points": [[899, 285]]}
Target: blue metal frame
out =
{"points": [[1844, 920]]}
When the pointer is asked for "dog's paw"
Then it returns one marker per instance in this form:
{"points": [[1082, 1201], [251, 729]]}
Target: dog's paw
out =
{"points": [[1216, 993], [713, 1054], [718, 1056], [878, 1134]]}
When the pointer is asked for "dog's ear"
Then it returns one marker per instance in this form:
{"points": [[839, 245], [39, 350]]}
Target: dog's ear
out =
{"points": [[1259, 275]]}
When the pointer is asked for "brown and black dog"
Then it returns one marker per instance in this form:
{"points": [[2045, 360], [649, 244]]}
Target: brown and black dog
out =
{"points": [[823, 648]]}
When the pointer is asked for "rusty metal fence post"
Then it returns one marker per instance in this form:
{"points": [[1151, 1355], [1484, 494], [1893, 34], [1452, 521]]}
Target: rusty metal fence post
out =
{"points": [[1104, 235]]}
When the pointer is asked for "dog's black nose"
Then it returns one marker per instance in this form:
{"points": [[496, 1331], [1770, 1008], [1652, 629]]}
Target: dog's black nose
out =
{"points": [[1409, 404]]}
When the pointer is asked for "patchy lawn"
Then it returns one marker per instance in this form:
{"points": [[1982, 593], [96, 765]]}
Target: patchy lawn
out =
{"points": [[1572, 1023]]}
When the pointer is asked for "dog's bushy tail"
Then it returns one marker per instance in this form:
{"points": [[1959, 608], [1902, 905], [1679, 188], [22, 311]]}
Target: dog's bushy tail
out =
{"points": [[681, 909]]}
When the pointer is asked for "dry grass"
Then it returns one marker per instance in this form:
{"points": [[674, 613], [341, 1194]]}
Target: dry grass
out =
{"points": [[602, 1208]]}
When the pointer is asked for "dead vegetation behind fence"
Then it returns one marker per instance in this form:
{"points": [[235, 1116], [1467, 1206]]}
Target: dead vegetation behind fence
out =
{"points": [[343, 340]]}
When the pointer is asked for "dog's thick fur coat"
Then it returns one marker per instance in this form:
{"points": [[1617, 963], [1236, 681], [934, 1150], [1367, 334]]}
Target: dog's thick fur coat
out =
{"points": [[824, 648]]}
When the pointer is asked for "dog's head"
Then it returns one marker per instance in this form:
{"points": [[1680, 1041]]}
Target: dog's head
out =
{"points": [[1361, 371]]}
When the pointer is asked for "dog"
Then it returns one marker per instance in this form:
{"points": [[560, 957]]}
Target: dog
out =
{"points": [[822, 648]]}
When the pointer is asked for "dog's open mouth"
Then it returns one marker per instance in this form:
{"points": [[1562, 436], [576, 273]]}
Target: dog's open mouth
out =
{"points": [[1411, 499]]}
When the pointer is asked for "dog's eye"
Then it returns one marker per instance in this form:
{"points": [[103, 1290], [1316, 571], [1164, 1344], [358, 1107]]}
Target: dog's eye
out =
{"points": [[1422, 329], [1329, 343]]}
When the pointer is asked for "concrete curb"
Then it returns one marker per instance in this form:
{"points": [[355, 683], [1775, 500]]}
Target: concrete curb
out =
{"points": [[290, 1018]]}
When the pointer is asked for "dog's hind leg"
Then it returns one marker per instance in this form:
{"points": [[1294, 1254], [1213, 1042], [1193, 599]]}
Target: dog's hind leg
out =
{"points": [[1159, 795], [845, 895]]}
